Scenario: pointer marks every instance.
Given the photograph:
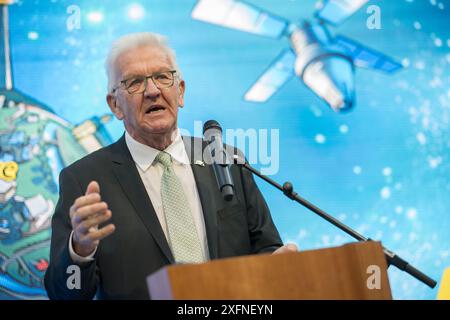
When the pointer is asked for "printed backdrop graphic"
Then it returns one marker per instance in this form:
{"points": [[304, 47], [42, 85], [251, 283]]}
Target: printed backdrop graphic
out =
{"points": [[382, 167]]}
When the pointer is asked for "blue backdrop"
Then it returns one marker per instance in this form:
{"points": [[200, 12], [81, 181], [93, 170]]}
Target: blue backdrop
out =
{"points": [[382, 168]]}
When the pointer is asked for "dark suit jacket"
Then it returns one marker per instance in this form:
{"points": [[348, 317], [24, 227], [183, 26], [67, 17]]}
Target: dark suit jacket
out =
{"points": [[138, 246]]}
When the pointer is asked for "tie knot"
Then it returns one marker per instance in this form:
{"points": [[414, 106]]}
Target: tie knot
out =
{"points": [[164, 158]]}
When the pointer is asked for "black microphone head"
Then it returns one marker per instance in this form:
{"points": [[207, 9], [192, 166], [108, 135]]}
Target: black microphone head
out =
{"points": [[211, 124]]}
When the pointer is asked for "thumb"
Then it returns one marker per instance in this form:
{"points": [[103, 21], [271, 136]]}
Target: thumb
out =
{"points": [[291, 247], [93, 187]]}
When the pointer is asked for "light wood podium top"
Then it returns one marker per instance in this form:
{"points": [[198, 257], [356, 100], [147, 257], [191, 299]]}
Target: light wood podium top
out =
{"points": [[351, 271]]}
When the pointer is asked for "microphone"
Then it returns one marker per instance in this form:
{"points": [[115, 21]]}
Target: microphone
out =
{"points": [[213, 134]]}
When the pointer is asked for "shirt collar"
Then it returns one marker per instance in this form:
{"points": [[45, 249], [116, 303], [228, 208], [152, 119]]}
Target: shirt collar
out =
{"points": [[144, 155]]}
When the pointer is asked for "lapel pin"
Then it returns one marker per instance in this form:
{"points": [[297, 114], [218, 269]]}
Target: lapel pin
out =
{"points": [[199, 163]]}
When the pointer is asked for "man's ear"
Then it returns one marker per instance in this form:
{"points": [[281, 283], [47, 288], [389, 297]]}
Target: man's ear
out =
{"points": [[181, 89], [112, 103]]}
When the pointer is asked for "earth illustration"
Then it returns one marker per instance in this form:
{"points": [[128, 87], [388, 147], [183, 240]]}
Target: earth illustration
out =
{"points": [[35, 144]]}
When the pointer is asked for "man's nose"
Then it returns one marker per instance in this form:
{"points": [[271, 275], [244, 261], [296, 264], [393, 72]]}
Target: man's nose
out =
{"points": [[151, 91]]}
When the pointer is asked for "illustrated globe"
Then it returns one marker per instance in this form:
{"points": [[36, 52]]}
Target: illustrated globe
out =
{"points": [[35, 144]]}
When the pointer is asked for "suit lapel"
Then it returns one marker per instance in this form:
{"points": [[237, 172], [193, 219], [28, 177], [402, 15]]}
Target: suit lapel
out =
{"points": [[129, 179], [205, 181]]}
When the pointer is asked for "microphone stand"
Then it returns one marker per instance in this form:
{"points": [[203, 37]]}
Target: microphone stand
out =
{"points": [[288, 190]]}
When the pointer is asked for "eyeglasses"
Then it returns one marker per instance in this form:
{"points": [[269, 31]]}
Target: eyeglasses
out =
{"points": [[138, 84]]}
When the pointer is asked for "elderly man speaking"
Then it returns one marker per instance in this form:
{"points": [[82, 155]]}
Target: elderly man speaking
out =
{"points": [[143, 202]]}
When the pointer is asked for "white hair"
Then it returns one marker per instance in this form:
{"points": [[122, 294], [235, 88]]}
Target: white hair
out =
{"points": [[132, 41]]}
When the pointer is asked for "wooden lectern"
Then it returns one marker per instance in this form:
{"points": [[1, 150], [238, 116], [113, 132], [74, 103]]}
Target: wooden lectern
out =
{"points": [[352, 271]]}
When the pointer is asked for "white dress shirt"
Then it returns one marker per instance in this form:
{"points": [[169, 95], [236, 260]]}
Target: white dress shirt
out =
{"points": [[151, 174]]}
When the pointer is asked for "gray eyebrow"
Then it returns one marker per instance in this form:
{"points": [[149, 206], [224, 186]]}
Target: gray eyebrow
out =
{"points": [[133, 75]]}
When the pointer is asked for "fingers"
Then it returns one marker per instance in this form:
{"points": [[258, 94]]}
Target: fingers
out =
{"points": [[88, 211], [95, 236], [86, 244], [91, 196], [87, 238], [86, 214], [87, 224], [290, 247], [84, 201]]}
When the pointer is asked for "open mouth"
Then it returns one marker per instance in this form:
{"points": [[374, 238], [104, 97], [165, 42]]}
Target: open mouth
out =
{"points": [[155, 109]]}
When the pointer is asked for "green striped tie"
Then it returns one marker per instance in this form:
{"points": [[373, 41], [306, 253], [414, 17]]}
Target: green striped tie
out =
{"points": [[183, 237]]}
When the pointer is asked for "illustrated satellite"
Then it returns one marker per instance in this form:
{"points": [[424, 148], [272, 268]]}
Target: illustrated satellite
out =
{"points": [[35, 144], [325, 63]]}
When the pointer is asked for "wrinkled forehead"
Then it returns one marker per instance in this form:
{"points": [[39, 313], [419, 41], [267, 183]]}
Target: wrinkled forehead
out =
{"points": [[142, 61]]}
